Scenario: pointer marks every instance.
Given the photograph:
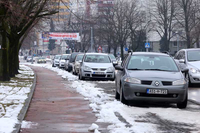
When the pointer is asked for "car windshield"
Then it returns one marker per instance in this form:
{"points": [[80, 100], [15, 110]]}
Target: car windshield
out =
{"points": [[193, 55], [41, 58], [152, 62], [79, 57], [97, 59], [112, 57], [57, 57], [63, 57]]}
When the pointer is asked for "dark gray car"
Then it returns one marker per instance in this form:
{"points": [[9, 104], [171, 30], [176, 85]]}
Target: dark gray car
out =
{"points": [[145, 76]]}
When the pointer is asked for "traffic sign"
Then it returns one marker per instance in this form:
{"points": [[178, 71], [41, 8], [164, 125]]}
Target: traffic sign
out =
{"points": [[126, 49], [147, 45]]}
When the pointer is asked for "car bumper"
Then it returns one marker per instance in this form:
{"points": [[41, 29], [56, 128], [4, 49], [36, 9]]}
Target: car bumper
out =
{"points": [[104, 75], [138, 92], [194, 78]]}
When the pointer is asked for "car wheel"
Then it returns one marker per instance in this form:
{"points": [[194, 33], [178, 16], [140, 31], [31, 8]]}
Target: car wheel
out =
{"points": [[189, 82], [117, 96], [53, 65], [183, 104], [122, 99], [81, 77]]}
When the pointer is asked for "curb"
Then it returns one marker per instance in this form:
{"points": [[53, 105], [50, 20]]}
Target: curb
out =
{"points": [[194, 102], [24, 109]]}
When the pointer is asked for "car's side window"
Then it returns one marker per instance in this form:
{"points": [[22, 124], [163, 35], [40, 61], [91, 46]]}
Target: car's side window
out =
{"points": [[183, 55], [176, 56]]}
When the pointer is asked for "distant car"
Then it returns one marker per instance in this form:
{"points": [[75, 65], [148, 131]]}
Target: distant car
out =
{"points": [[56, 60], [41, 60], [29, 59], [63, 58], [96, 65], [66, 64], [190, 59], [113, 59], [155, 77], [79, 58], [72, 61]]}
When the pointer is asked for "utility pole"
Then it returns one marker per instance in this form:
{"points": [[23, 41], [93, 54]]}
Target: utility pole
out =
{"points": [[92, 41]]}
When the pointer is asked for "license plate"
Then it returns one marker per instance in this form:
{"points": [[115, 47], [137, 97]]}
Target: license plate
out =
{"points": [[156, 91], [100, 73]]}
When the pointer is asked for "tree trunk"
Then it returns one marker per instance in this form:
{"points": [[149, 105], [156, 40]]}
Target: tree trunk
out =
{"points": [[108, 48], [122, 51], [4, 68], [115, 51]]}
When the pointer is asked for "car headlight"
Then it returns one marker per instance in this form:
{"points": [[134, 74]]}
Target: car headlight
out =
{"points": [[110, 69], [132, 80], [193, 70], [179, 82], [86, 68]]}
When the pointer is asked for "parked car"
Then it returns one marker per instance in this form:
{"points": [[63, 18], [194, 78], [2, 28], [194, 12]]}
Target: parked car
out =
{"points": [[190, 59], [96, 65], [56, 60], [67, 62], [41, 60], [155, 77], [78, 59], [62, 60], [72, 61], [113, 59]]}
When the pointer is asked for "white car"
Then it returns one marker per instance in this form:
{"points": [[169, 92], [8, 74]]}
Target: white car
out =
{"points": [[56, 60], [189, 59], [78, 59], [63, 58], [96, 65]]}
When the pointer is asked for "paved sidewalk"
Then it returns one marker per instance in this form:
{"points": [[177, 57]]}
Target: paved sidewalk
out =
{"points": [[57, 108]]}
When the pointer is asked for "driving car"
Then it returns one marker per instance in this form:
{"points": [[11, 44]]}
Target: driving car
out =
{"points": [[41, 60], [78, 58], [62, 60], [29, 59], [96, 65], [190, 59], [155, 77], [56, 60]]}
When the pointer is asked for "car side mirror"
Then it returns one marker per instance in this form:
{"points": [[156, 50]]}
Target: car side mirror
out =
{"points": [[185, 72], [117, 67], [181, 61]]}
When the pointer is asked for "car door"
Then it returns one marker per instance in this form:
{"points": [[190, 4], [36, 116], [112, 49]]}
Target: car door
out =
{"points": [[120, 74]]}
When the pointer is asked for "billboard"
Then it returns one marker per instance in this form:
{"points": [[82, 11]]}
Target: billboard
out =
{"points": [[60, 36]]}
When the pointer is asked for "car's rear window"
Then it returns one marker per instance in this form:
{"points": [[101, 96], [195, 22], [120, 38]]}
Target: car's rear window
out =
{"points": [[97, 59]]}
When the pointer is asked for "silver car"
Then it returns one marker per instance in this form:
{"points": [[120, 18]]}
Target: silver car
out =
{"points": [[96, 65], [62, 60], [56, 60], [76, 67], [190, 59], [155, 77]]}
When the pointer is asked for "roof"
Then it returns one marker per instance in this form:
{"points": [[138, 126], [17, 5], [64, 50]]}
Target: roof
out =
{"points": [[191, 49], [149, 53], [96, 54]]}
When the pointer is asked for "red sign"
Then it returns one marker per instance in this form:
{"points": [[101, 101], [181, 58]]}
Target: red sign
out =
{"points": [[64, 36], [99, 49]]}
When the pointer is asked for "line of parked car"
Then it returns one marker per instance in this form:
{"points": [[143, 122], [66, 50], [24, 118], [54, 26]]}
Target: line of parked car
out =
{"points": [[142, 76], [87, 65]]}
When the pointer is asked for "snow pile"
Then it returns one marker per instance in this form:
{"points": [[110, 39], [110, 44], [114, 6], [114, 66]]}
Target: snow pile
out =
{"points": [[12, 98], [28, 124]]}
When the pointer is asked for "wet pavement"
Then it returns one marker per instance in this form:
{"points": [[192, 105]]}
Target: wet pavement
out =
{"points": [[56, 108], [194, 93]]}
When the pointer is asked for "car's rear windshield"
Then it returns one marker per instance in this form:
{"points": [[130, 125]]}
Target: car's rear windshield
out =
{"points": [[79, 57], [193, 55], [152, 62], [97, 59]]}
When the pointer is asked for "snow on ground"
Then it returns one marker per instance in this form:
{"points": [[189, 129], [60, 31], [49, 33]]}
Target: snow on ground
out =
{"points": [[12, 98], [106, 108]]}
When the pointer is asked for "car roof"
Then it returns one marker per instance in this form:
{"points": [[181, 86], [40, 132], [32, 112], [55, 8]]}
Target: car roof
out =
{"points": [[149, 53], [191, 49], [96, 54]]}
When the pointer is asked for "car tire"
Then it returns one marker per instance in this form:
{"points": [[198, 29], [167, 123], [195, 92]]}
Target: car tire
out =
{"points": [[81, 77], [53, 65], [122, 99], [117, 95], [183, 104]]}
